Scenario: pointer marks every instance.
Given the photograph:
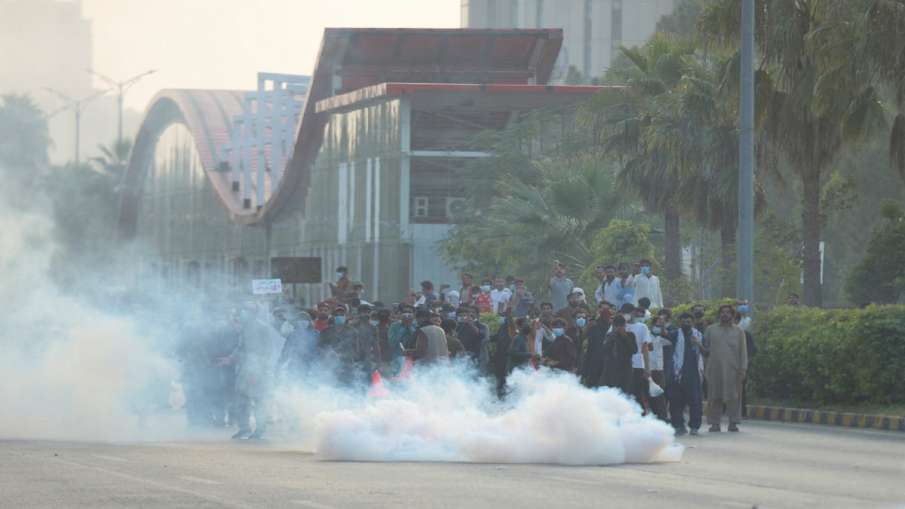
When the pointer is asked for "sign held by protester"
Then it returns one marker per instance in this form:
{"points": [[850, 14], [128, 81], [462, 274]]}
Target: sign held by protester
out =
{"points": [[266, 286]]}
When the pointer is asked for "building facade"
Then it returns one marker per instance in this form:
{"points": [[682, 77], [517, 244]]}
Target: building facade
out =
{"points": [[594, 29], [374, 178]]}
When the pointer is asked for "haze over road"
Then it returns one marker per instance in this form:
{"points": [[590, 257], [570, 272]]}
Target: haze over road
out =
{"points": [[768, 465]]}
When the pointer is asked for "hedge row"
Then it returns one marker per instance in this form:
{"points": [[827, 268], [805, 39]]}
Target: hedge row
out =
{"points": [[830, 355]]}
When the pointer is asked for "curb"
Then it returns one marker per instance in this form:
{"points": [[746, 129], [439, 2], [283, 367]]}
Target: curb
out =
{"points": [[805, 416]]}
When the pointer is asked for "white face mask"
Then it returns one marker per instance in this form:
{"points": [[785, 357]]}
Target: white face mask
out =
{"points": [[374, 323]]}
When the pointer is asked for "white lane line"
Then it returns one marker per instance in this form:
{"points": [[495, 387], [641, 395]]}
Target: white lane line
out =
{"points": [[200, 480], [157, 484], [110, 458], [312, 504]]}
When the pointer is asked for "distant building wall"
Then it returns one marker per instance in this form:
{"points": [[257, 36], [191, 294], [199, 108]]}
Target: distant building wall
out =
{"points": [[593, 29]]}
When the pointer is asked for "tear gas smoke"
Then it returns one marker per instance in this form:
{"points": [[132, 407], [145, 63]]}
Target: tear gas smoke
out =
{"points": [[448, 414], [78, 366]]}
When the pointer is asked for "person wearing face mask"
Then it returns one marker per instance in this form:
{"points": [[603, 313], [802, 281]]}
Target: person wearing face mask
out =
{"points": [[400, 337], [483, 300], [647, 285], [562, 354], [593, 361], [298, 346], [640, 360], [382, 317], [367, 326], [578, 331], [659, 340], [343, 285], [340, 343], [684, 368], [522, 300], [619, 347]]}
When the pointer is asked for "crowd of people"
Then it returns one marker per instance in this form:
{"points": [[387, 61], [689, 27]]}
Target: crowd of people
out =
{"points": [[626, 339]]}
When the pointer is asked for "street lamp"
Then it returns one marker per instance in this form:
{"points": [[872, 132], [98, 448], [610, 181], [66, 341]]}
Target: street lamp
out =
{"points": [[122, 87], [745, 288], [76, 105]]}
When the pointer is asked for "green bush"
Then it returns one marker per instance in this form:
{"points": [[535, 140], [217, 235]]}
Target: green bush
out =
{"points": [[830, 356]]}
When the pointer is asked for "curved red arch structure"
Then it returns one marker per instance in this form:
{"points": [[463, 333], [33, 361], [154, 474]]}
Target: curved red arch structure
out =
{"points": [[349, 60]]}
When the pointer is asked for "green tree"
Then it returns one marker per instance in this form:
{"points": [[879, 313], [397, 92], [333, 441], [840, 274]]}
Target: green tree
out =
{"points": [[880, 277], [24, 140], [816, 101]]}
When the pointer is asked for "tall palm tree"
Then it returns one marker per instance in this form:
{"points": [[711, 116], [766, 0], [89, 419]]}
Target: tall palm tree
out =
{"points": [[817, 101], [652, 166], [114, 157]]}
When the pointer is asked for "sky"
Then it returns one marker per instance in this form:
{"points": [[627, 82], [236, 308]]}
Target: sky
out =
{"points": [[224, 43]]}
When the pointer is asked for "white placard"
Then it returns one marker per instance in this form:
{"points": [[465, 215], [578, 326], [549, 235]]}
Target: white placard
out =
{"points": [[266, 286]]}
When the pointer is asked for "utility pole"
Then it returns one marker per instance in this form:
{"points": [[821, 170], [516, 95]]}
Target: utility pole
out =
{"points": [[121, 87], [745, 287], [77, 105]]}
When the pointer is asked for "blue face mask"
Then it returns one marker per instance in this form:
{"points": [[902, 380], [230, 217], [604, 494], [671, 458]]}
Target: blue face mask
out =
{"points": [[558, 331], [339, 320], [645, 270], [656, 330], [744, 309], [581, 322]]}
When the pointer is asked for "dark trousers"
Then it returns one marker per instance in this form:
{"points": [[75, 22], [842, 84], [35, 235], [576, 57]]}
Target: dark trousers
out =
{"points": [[658, 404], [685, 394], [641, 388]]}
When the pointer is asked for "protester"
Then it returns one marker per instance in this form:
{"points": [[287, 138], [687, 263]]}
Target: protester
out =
{"points": [[454, 346], [468, 333], [428, 297], [522, 300], [610, 289], [401, 337], [500, 296], [578, 331], [647, 285], [640, 361], [592, 363], [562, 354], [341, 288], [619, 349], [503, 340], [519, 356], [465, 292], [340, 345], [659, 340], [752, 351], [430, 340], [626, 285], [725, 369], [483, 301], [684, 366], [560, 286], [255, 357]]}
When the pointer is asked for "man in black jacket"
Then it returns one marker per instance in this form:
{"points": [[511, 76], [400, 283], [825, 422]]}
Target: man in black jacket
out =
{"points": [[593, 362]]}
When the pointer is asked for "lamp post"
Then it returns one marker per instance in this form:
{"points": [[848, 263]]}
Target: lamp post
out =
{"points": [[77, 105], [121, 87], [746, 158]]}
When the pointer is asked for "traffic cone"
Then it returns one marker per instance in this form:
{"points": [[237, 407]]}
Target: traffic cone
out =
{"points": [[377, 389]]}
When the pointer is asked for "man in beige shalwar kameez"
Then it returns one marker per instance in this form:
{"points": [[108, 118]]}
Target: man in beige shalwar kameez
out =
{"points": [[725, 369]]}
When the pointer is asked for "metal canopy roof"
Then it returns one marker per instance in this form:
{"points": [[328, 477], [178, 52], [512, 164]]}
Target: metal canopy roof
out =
{"points": [[354, 58]]}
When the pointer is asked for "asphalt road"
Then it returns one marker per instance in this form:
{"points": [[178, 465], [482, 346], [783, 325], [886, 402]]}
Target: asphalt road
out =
{"points": [[767, 465]]}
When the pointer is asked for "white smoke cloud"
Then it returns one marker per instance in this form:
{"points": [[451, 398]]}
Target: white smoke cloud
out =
{"points": [[449, 415]]}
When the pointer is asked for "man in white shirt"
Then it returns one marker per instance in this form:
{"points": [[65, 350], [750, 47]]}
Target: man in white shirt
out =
{"points": [[500, 295], [648, 285], [610, 289], [641, 360]]}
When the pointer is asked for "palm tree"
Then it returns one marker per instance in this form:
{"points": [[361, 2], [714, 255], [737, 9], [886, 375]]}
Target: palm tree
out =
{"points": [[816, 101], [114, 158], [652, 165]]}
